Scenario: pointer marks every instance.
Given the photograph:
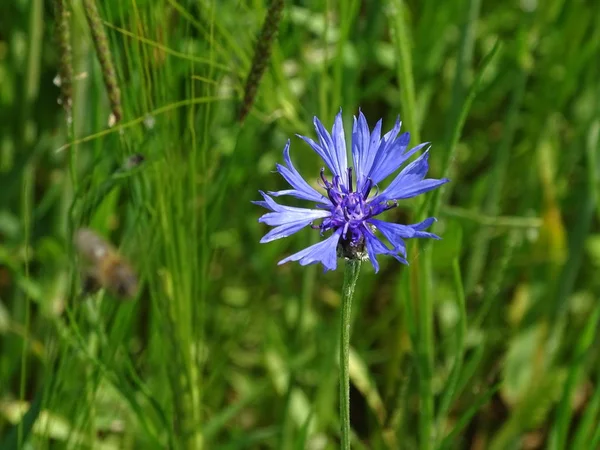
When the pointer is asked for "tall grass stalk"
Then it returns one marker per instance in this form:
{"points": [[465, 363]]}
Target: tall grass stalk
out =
{"points": [[29, 95], [262, 53], [62, 32], [419, 291], [105, 58]]}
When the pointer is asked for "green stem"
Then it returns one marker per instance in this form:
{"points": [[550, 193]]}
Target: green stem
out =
{"points": [[351, 272]]}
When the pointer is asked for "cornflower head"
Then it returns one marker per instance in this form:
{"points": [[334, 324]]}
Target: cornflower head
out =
{"points": [[352, 197]]}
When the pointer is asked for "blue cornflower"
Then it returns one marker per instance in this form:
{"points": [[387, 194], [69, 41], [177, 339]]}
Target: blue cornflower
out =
{"points": [[353, 197]]}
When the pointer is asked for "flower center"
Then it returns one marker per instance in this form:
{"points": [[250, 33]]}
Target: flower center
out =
{"points": [[350, 210], [349, 207]]}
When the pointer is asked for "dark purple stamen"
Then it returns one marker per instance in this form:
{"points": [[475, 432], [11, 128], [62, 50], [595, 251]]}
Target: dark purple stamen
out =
{"points": [[350, 178], [326, 184], [367, 188]]}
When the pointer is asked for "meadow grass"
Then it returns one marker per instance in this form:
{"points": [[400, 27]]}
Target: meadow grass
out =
{"points": [[487, 340]]}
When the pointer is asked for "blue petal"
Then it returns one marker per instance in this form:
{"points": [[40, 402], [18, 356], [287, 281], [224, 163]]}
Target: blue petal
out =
{"points": [[320, 151], [284, 230], [419, 227], [376, 247], [417, 188], [302, 189], [339, 147], [364, 148], [288, 214], [395, 233], [375, 157], [390, 234], [334, 147], [324, 252], [394, 158], [409, 182], [379, 149]]}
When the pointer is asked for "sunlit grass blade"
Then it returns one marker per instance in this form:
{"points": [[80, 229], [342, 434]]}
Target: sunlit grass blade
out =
{"points": [[498, 176], [587, 426], [564, 413], [450, 440], [449, 392], [583, 222], [401, 38], [436, 200]]}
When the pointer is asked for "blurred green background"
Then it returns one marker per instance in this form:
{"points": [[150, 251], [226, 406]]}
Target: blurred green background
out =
{"points": [[487, 340]]}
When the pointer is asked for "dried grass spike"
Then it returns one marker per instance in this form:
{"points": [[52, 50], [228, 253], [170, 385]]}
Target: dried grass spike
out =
{"points": [[65, 69], [262, 53], [105, 58]]}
